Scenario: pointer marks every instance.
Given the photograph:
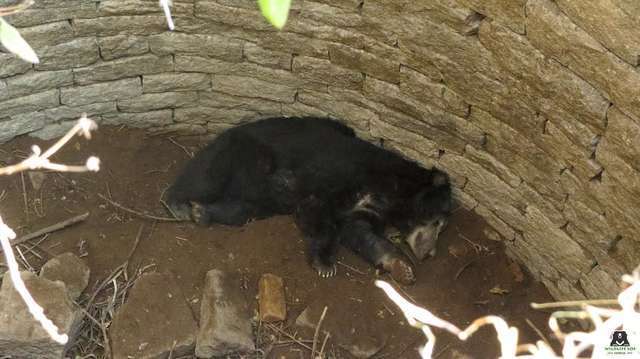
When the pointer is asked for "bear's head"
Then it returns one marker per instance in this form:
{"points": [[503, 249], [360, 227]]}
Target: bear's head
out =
{"points": [[430, 210]]}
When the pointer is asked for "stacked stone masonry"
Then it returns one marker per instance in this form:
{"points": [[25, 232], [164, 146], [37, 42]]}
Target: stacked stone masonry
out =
{"points": [[533, 106]]}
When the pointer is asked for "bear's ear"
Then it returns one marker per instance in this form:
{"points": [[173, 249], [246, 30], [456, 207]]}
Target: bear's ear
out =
{"points": [[439, 179]]}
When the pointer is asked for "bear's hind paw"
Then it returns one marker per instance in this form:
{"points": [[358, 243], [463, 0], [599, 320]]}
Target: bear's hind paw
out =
{"points": [[400, 270]]}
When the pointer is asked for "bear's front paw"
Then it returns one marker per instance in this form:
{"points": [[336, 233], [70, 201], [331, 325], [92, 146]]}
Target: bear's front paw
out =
{"points": [[324, 270], [181, 211], [400, 270]]}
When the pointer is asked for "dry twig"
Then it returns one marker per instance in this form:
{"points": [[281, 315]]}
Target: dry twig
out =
{"points": [[315, 335], [138, 213], [52, 228]]}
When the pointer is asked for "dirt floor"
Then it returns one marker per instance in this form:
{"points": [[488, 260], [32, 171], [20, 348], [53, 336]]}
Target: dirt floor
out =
{"points": [[464, 281]]}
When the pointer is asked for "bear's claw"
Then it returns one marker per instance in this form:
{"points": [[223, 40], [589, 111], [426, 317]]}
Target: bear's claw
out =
{"points": [[324, 270]]}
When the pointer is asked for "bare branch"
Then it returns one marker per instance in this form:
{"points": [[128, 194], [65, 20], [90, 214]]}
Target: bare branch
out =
{"points": [[40, 160], [605, 320]]}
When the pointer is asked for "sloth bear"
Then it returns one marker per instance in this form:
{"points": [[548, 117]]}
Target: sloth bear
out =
{"points": [[340, 189]]}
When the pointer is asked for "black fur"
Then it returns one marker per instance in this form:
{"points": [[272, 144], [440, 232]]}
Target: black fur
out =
{"points": [[340, 188]]}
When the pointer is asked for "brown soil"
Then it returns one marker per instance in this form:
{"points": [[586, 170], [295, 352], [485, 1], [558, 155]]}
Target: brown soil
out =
{"points": [[455, 285]]}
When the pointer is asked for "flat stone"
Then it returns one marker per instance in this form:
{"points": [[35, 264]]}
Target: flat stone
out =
{"points": [[510, 13], [424, 89], [225, 318], [265, 57], [623, 135], [217, 46], [101, 92], [75, 53], [358, 116], [172, 81], [156, 101], [244, 69], [453, 126], [496, 223], [122, 68], [52, 130], [37, 81], [221, 100], [330, 14], [38, 16], [141, 119], [297, 109], [323, 71], [47, 34], [556, 35], [251, 87], [32, 102], [246, 18], [556, 92], [386, 131], [70, 270], [60, 113], [12, 127], [613, 23], [113, 47], [143, 25], [139, 7], [362, 61], [600, 284], [154, 321], [272, 303], [462, 199], [4, 92], [492, 165], [21, 336]]}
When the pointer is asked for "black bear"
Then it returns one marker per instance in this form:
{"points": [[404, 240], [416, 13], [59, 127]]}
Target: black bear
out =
{"points": [[341, 190]]}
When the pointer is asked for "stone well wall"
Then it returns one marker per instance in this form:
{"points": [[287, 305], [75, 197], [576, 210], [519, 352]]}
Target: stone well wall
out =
{"points": [[533, 106]]}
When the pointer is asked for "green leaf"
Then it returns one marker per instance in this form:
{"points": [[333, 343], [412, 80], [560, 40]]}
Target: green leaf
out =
{"points": [[275, 11], [13, 41]]}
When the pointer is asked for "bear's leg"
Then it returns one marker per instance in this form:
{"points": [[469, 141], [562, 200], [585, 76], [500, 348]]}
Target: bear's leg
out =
{"points": [[361, 236], [316, 219], [232, 213]]}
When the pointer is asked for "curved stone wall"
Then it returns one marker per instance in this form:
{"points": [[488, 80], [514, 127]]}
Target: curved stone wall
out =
{"points": [[533, 106]]}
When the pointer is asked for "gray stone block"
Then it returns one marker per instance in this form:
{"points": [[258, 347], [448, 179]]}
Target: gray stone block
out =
{"points": [[225, 324], [121, 68], [21, 336], [114, 47], [157, 101], [140, 120], [101, 92], [217, 46], [76, 53], [30, 103], [250, 87], [176, 82], [70, 270], [36, 81]]}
